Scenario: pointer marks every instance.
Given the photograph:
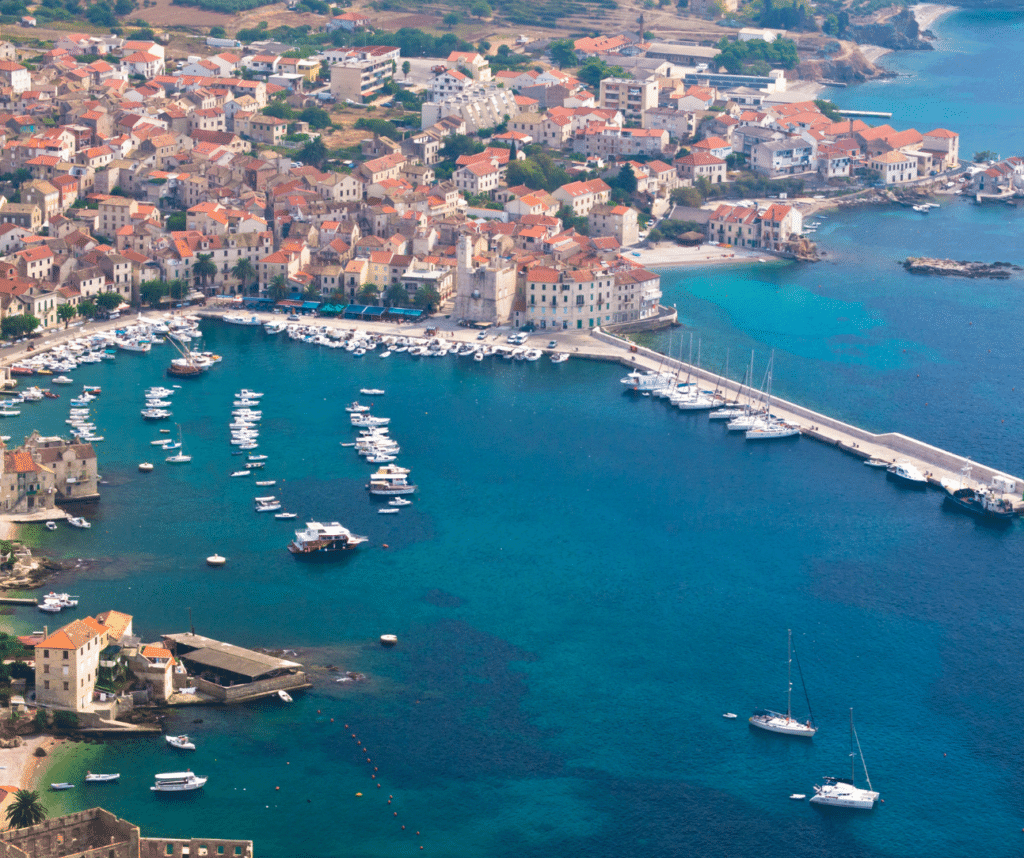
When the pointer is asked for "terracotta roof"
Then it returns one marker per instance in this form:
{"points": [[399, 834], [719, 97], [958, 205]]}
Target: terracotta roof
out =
{"points": [[73, 635]]}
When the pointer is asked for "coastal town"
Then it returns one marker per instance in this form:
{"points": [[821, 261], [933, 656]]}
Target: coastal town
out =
{"points": [[536, 189]]}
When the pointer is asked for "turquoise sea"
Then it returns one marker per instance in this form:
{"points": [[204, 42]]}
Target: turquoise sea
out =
{"points": [[588, 580]]}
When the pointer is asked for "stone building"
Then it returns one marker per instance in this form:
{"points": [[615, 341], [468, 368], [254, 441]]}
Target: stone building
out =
{"points": [[67, 665], [484, 286], [74, 466], [98, 832]]}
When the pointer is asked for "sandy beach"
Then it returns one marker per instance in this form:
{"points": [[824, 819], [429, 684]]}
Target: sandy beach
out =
{"points": [[672, 255], [927, 14], [21, 768]]}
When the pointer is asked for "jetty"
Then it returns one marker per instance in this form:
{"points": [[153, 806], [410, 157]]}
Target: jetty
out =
{"points": [[874, 114], [936, 464]]}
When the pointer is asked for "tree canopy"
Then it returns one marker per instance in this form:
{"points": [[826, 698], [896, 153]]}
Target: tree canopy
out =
{"points": [[12, 327], [25, 810]]}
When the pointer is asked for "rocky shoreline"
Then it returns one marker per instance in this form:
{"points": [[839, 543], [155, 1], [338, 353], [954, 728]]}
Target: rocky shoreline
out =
{"points": [[952, 268], [25, 571]]}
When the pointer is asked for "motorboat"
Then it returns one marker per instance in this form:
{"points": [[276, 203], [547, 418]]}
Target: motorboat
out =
{"points": [[259, 457], [271, 506], [51, 525], [906, 474], [557, 357], [90, 778], [729, 716], [356, 408], [177, 782], [388, 510], [182, 743], [773, 429], [284, 696], [399, 502], [798, 796], [78, 521], [61, 379], [639, 381], [241, 473], [876, 463], [145, 467], [61, 786], [984, 502], [216, 560], [726, 413], [319, 539], [286, 515], [371, 391]]}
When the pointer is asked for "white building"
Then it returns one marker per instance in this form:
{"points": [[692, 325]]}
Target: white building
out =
{"points": [[479, 106]]}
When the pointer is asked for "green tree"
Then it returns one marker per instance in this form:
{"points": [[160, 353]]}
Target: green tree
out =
{"points": [[204, 268], [177, 289], [243, 271], [368, 293], [12, 327], [450, 20], [151, 291], [829, 109], [278, 288], [63, 720], [65, 313], [594, 70], [626, 180], [87, 308], [217, 32], [311, 292], [315, 117], [562, 53], [985, 155], [176, 222], [480, 10], [25, 810], [460, 144], [428, 298], [108, 301], [406, 68], [396, 295], [314, 153]]}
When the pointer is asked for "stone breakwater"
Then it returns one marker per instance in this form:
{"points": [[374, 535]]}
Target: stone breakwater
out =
{"points": [[952, 268]]}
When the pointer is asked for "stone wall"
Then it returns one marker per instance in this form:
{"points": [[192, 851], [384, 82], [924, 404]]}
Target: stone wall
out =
{"points": [[249, 690], [166, 847]]}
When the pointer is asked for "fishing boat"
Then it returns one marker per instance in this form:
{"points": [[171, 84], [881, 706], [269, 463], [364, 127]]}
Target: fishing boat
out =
{"points": [[182, 743], [90, 778], [838, 792], [180, 457], [906, 475], [776, 722], [982, 502], [320, 539], [177, 782]]}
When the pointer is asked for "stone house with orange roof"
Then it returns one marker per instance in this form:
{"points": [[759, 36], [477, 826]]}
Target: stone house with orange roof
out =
{"points": [[67, 665]]}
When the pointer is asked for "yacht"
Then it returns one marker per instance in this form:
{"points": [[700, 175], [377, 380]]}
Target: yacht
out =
{"points": [[177, 782], [906, 474], [773, 429], [640, 381], [836, 792], [320, 539]]}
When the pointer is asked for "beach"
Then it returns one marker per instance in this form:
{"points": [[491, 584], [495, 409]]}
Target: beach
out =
{"points": [[666, 255], [927, 14], [21, 768]]}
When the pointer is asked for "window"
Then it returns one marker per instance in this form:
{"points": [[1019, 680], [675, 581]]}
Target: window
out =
{"points": [[65, 686], [46, 684], [66, 655], [46, 653]]}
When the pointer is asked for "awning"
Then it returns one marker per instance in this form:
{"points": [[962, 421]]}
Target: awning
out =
{"points": [[404, 311], [310, 305]]}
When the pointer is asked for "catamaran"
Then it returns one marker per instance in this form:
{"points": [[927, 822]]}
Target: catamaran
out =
{"points": [[836, 792], [776, 722]]}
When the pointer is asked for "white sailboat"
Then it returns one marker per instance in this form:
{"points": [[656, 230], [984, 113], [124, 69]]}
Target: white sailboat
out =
{"points": [[840, 793], [776, 722], [180, 457]]}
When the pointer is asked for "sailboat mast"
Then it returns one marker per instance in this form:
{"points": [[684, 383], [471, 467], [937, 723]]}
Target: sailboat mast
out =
{"points": [[789, 678], [856, 738]]}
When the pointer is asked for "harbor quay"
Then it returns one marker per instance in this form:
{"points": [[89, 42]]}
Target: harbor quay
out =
{"points": [[599, 344]]}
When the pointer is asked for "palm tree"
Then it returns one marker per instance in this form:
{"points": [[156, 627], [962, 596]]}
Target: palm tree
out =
{"points": [[428, 298], [396, 295], [25, 810], [311, 292], [367, 292], [278, 288], [243, 271], [204, 267]]}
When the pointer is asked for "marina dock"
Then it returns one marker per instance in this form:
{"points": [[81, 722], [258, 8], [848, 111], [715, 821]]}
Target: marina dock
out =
{"points": [[935, 463]]}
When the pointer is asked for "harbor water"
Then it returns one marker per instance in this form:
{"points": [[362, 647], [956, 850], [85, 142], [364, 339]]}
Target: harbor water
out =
{"points": [[588, 580]]}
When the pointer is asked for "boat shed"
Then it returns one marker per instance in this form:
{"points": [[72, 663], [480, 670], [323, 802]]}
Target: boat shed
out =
{"points": [[232, 674]]}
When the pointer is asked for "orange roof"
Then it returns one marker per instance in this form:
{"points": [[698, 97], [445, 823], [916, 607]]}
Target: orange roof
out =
{"points": [[74, 635], [942, 132]]}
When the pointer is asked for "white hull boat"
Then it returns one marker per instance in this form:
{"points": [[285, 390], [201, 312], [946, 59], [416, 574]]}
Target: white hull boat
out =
{"points": [[835, 792], [178, 782], [776, 722], [182, 743]]}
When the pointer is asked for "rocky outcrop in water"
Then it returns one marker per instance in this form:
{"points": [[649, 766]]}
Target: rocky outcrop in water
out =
{"points": [[951, 268], [899, 33]]}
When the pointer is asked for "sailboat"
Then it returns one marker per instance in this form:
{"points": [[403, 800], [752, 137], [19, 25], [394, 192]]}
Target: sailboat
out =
{"points": [[771, 427], [776, 722], [836, 792], [180, 456]]}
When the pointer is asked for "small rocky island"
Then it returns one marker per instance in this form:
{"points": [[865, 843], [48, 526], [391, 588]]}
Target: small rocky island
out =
{"points": [[952, 268]]}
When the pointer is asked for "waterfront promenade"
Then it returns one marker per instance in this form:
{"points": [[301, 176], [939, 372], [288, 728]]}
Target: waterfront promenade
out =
{"points": [[600, 345]]}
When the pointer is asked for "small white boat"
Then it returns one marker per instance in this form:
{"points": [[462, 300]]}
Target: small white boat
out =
{"points": [[265, 499], [266, 482], [216, 560], [906, 474], [182, 743], [876, 463], [90, 778], [78, 521], [145, 467], [730, 715], [61, 379], [387, 511], [178, 458], [61, 786], [51, 525], [371, 391], [798, 796], [268, 507], [241, 474], [177, 782], [284, 696], [403, 502], [285, 514], [559, 357], [257, 458]]}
